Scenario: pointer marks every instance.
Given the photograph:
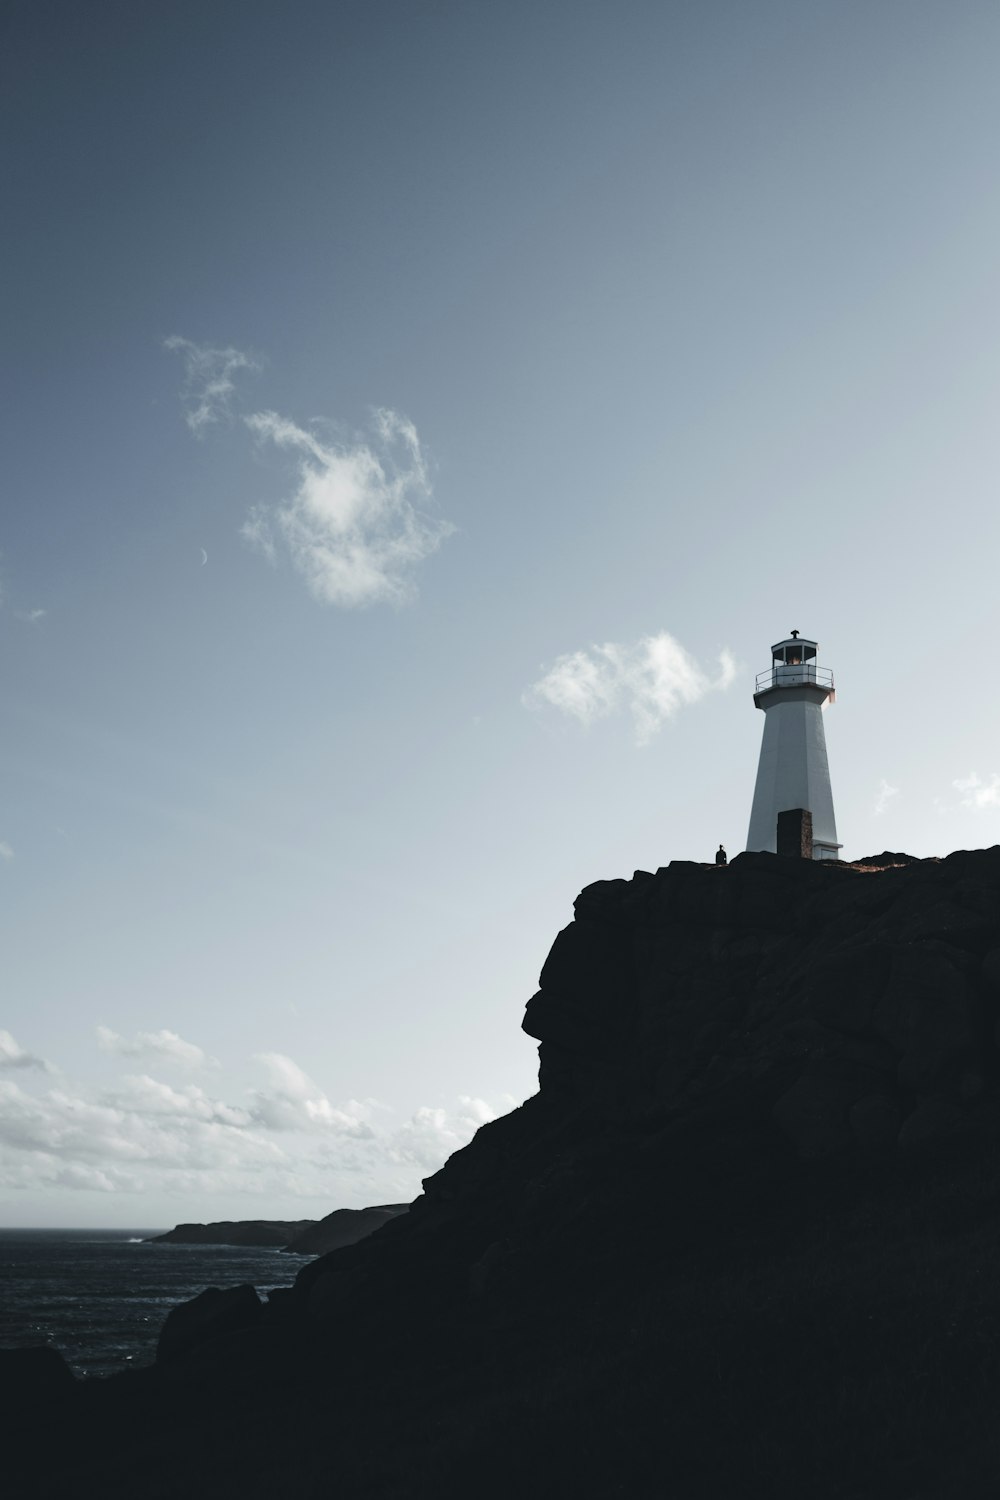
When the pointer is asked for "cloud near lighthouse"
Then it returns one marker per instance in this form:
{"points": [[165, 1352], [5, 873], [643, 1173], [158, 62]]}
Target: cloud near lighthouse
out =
{"points": [[651, 679]]}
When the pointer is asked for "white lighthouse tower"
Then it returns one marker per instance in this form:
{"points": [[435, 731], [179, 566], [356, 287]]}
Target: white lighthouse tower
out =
{"points": [[793, 771]]}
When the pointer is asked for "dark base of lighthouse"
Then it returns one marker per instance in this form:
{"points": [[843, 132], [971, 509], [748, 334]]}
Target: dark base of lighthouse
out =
{"points": [[794, 837], [795, 833]]}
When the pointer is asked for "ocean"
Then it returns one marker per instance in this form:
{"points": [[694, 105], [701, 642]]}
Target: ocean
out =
{"points": [[100, 1296]]}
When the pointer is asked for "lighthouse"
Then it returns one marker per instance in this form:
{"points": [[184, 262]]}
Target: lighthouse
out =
{"points": [[793, 771]]}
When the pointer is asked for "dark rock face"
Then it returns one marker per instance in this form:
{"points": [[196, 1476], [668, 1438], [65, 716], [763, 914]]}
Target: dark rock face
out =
{"points": [[35, 1373], [741, 1242], [208, 1316], [805, 991], [345, 1226], [276, 1232], [885, 860]]}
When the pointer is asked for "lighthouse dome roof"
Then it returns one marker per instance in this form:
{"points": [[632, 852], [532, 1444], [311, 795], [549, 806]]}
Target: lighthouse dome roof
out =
{"points": [[794, 646]]}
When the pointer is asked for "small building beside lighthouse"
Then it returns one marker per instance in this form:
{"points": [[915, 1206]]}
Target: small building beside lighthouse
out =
{"points": [[793, 771]]}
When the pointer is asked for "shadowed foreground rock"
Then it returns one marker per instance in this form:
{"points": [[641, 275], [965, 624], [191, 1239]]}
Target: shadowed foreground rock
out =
{"points": [[742, 1243], [210, 1315], [35, 1377]]}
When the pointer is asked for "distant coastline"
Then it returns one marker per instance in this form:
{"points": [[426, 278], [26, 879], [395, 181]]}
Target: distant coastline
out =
{"points": [[275, 1233], [344, 1226]]}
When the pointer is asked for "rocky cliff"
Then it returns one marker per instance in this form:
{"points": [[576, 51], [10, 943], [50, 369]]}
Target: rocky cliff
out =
{"points": [[279, 1233], [345, 1226], [854, 1005], [742, 1241]]}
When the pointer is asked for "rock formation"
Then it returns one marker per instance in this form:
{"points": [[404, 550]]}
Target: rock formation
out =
{"points": [[276, 1232], [211, 1314], [831, 999], [742, 1241], [345, 1226]]}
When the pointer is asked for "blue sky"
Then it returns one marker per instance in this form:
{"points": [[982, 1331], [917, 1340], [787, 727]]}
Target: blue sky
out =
{"points": [[522, 372]]}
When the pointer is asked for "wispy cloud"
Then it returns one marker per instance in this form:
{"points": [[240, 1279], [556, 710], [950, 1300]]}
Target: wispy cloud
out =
{"points": [[359, 518], [164, 1044], [209, 383], [12, 1055], [651, 679], [355, 525], [884, 796], [6, 852], [977, 793], [31, 616]]}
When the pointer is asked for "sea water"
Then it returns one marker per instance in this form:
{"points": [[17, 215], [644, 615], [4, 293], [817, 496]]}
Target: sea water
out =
{"points": [[100, 1296]]}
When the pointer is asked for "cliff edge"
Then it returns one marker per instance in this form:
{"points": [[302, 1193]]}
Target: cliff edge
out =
{"points": [[742, 1241]]}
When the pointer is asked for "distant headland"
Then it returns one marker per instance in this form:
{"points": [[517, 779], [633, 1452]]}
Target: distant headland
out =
{"points": [[345, 1226]]}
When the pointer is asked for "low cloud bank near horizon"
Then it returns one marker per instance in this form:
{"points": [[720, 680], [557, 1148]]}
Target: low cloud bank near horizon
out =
{"points": [[12, 1055], [651, 680], [284, 1139], [165, 1044]]}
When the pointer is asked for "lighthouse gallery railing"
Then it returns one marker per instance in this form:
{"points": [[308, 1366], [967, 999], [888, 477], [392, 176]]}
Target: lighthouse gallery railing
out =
{"points": [[791, 674]]}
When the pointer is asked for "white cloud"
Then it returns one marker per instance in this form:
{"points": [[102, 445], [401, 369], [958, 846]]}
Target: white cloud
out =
{"points": [[295, 1102], [431, 1135], [284, 1141], [164, 1044], [652, 679], [209, 383], [31, 616], [353, 526], [141, 1094], [136, 1137], [6, 852], [12, 1055], [884, 796], [976, 792]]}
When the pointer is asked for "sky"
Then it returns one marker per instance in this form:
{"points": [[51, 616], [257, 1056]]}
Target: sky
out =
{"points": [[421, 417]]}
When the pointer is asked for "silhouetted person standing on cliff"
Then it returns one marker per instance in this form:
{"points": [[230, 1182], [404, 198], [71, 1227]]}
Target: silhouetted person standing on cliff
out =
{"points": [[721, 857]]}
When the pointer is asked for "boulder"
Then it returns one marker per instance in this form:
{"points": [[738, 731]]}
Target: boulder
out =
{"points": [[213, 1313]]}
